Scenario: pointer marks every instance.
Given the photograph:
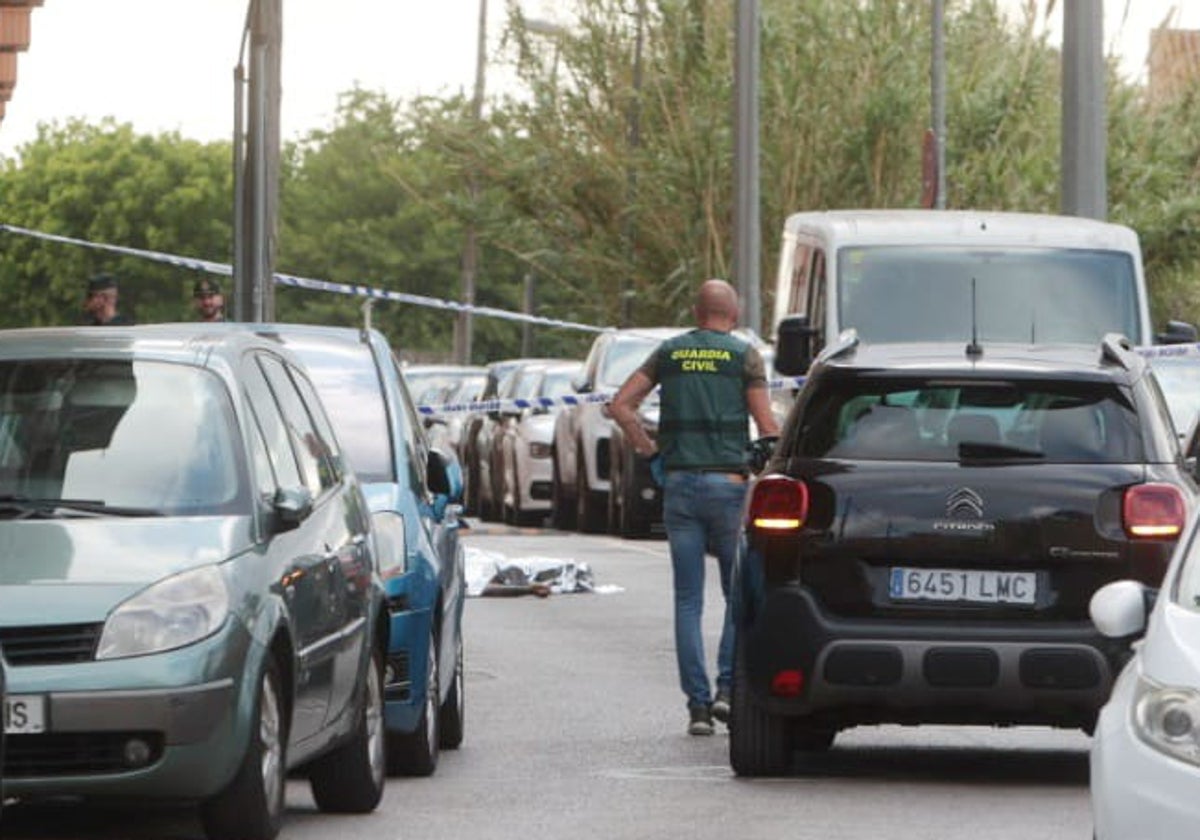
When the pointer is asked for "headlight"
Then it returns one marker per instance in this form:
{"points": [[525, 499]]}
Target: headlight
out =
{"points": [[1168, 719], [539, 450], [391, 556], [172, 613]]}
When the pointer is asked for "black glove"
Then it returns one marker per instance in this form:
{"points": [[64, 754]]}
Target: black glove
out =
{"points": [[759, 451]]}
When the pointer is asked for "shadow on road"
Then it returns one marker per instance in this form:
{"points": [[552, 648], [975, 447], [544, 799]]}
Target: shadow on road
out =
{"points": [[968, 765]]}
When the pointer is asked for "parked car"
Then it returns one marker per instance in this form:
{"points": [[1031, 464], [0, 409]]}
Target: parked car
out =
{"points": [[1145, 757], [928, 532], [581, 464], [445, 430], [191, 599], [412, 491], [1178, 375], [435, 385], [487, 462], [497, 376], [526, 438]]}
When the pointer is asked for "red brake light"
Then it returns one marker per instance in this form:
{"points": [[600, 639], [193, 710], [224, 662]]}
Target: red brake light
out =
{"points": [[1154, 511], [787, 683], [778, 504]]}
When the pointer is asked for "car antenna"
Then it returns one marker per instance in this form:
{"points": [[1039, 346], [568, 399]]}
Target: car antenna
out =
{"points": [[974, 351]]}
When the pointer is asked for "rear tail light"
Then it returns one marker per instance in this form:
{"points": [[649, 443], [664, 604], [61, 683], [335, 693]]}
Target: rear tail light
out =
{"points": [[1153, 511], [778, 505], [787, 683]]}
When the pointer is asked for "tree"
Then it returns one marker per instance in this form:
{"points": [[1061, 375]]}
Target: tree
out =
{"points": [[104, 183]]}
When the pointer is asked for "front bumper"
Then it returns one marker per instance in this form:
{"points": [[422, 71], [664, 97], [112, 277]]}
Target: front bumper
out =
{"points": [[138, 728], [1138, 791], [870, 670]]}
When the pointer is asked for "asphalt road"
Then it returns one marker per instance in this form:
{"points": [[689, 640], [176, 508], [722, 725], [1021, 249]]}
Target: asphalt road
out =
{"points": [[576, 728]]}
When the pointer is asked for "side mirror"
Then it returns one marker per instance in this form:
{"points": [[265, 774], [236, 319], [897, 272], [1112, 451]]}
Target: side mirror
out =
{"points": [[437, 471], [582, 386], [1119, 609], [292, 506], [1178, 332], [794, 348]]}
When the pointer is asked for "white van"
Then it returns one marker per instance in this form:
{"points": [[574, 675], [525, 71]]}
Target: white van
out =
{"points": [[933, 275]]}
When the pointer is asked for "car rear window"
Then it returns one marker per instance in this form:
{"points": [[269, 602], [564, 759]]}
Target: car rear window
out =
{"points": [[930, 420]]}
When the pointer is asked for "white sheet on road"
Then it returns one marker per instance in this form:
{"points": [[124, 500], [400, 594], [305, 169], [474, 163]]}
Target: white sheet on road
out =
{"points": [[550, 575]]}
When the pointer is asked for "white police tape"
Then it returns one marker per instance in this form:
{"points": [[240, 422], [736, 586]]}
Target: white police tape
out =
{"points": [[281, 279], [555, 402]]}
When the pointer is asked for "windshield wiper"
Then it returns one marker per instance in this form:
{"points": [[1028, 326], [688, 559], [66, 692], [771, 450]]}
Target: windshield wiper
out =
{"points": [[46, 508], [974, 450]]}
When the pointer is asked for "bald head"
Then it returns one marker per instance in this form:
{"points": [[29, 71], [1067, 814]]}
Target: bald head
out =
{"points": [[716, 305]]}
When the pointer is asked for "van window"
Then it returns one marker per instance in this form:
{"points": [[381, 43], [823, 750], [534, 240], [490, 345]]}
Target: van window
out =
{"points": [[1038, 295]]}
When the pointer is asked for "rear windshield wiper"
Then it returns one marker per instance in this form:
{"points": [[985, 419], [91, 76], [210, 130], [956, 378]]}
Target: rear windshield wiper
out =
{"points": [[30, 506], [972, 450]]}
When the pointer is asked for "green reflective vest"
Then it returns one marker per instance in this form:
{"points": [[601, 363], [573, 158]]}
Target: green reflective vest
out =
{"points": [[703, 420]]}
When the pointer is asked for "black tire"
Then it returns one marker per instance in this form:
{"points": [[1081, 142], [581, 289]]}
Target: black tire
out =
{"points": [[807, 738], [630, 523], [416, 753], [350, 779], [591, 508], [562, 506], [759, 742], [453, 712], [251, 806]]}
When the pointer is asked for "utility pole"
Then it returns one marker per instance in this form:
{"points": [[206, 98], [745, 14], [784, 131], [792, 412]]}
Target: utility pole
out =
{"points": [[256, 174], [464, 327], [526, 327], [937, 72], [634, 119], [1084, 129], [747, 243]]}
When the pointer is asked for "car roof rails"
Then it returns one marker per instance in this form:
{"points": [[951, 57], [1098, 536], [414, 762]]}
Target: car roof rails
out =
{"points": [[1116, 349], [846, 342]]}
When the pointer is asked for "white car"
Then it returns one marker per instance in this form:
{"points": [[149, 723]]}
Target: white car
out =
{"points": [[526, 443], [1145, 758]]}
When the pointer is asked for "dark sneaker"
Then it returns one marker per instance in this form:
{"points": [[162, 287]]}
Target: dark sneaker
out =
{"points": [[701, 721], [720, 707]]}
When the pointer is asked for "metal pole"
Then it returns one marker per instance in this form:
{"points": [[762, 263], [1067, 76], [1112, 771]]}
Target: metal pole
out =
{"points": [[243, 269], [464, 326], [631, 175], [937, 71], [1084, 137], [526, 327], [239, 208], [747, 245]]}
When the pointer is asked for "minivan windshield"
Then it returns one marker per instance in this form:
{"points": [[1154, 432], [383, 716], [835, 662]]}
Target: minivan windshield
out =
{"points": [[903, 293], [118, 436]]}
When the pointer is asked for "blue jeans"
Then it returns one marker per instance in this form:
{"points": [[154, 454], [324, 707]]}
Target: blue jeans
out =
{"points": [[702, 513]]}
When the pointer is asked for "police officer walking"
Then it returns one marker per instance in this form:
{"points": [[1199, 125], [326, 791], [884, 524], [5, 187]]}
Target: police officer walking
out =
{"points": [[712, 384]]}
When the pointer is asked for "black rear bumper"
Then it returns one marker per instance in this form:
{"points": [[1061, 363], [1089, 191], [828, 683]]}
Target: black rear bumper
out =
{"points": [[872, 670]]}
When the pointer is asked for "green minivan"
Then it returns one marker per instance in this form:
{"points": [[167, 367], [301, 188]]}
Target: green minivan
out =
{"points": [[190, 607]]}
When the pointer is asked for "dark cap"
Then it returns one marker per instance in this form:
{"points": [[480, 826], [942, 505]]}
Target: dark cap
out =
{"points": [[205, 286], [100, 283]]}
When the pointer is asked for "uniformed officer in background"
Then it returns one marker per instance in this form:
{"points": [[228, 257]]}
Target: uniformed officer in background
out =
{"points": [[208, 300], [100, 304]]}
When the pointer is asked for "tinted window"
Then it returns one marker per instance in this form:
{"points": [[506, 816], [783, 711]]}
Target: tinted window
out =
{"points": [[348, 383], [910, 293], [270, 421], [897, 419], [311, 454], [133, 434]]}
